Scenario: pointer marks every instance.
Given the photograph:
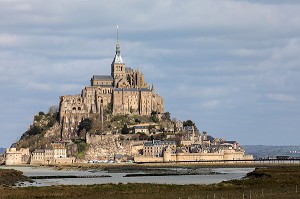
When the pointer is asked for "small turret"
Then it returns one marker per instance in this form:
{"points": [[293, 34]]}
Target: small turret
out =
{"points": [[152, 88]]}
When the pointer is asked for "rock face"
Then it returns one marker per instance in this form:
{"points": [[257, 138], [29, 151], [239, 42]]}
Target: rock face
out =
{"points": [[2, 159], [105, 147]]}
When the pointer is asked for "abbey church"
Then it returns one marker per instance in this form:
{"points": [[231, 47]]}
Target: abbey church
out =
{"points": [[124, 91]]}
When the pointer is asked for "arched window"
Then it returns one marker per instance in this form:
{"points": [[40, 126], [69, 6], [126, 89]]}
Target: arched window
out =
{"points": [[74, 108]]}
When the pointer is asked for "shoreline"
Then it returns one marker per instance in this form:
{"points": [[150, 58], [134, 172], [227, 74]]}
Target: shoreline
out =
{"points": [[83, 166], [105, 166]]}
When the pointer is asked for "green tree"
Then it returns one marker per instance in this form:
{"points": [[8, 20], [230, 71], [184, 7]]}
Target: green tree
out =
{"points": [[51, 121], [167, 116], [97, 127], [81, 149], [154, 118], [85, 124], [189, 123], [34, 130], [125, 129], [41, 113], [142, 136]]}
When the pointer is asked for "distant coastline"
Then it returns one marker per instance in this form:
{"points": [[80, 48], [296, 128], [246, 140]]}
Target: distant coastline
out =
{"points": [[263, 151]]}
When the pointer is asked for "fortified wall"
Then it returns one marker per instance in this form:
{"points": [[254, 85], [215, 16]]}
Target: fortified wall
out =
{"points": [[194, 157]]}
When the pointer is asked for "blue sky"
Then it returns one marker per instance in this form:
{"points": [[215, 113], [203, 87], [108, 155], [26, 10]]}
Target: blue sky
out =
{"points": [[233, 67]]}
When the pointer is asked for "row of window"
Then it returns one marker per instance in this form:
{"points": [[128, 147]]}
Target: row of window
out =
{"points": [[119, 68], [103, 83]]}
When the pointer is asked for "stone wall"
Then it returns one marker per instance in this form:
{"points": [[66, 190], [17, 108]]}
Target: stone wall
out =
{"points": [[183, 157], [103, 147], [17, 157], [64, 160], [148, 159]]}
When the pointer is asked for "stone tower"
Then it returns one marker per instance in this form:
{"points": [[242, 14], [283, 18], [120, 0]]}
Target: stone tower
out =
{"points": [[118, 66]]}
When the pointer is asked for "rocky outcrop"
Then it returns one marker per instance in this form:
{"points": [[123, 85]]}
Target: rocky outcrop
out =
{"points": [[2, 159], [106, 146], [9, 177]]}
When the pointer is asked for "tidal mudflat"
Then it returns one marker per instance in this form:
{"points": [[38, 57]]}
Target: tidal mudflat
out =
{"points": [[48, 176]]}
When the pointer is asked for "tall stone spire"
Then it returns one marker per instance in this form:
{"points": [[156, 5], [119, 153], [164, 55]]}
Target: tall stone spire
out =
{"points": [[118, 58], [118, 50]]}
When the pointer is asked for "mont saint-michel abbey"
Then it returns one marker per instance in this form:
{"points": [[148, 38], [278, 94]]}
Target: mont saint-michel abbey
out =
{"points": [[123, 92]]}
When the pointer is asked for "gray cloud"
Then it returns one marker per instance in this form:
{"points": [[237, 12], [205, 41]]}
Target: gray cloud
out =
{"points": [[231, 66]]}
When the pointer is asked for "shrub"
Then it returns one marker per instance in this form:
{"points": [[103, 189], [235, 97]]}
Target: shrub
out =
{"points": [[125, 129], [85, 124]]}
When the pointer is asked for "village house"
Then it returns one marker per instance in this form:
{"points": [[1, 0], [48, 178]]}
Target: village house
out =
{"points": [[140, 129], [56, 154], [156, 148]]}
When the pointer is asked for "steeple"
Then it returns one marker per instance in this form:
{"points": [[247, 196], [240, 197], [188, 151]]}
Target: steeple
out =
{"points": [[118, 59], [117, 65], [118, 50]]}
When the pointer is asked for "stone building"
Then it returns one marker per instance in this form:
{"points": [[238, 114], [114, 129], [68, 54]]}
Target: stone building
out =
{"points": [[16, 157], [156, 148], [124, 91], [56, 154]]}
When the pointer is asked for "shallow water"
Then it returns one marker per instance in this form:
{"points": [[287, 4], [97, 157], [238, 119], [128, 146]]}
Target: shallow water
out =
{"points": [[225, 174]]}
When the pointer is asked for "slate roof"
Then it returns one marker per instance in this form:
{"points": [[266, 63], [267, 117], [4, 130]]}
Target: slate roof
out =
{"points": [[103, 77], [159, 142], [145, 89], [117, 89], [106, 86], [39, 151]]}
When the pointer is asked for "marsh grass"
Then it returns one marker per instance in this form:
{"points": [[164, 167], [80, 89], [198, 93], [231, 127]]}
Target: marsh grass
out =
{"points": [[266, 182]]}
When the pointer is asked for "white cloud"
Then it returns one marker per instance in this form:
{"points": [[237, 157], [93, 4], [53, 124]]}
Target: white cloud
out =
{"points": [[7, 40], [282, 97]]}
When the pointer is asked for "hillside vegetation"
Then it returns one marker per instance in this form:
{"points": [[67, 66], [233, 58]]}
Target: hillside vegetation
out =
{"points": [[44, 130]]}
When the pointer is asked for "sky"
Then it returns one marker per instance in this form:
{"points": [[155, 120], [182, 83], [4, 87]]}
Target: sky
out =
{"points": [[231, 66]]}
